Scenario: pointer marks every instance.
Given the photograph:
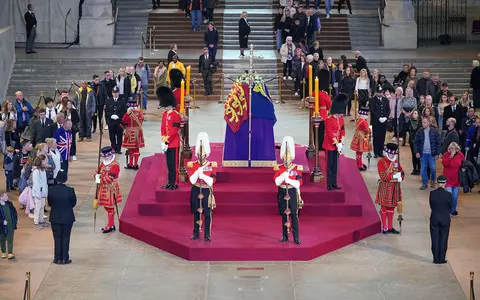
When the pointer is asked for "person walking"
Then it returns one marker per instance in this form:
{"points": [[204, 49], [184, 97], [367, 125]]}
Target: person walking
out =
{"points": [[196, 14], [143, 71], [62, 199], [8, 225], [39, 190], [427, 149], [243, 32], [441, 206], [31, 26], [340, 3], [205, 62], [211, 40], [87, 104], [452, 161]]}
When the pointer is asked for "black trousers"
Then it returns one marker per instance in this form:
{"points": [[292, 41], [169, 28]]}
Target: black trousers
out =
{"points": [[293, 206], [439, 236], [379, 131], [207, 82], [115, 132], [476, 98], [340, 3], [321, 136], [64, 166], [172, 164], [98, 117], [61, 237], [209, 14], [207, 212], [156, 3], [85, 126], [415, 160], [332, 167], [287, 68]]}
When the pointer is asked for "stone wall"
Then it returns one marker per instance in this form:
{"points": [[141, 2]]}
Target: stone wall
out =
{"points": [[7, 59]]}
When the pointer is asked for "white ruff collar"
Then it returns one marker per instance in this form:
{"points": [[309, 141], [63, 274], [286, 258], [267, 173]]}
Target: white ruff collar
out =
{"points": [[108, 160]]}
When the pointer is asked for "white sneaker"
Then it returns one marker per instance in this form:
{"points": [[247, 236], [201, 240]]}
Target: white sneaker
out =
{"points": [[277, 101], [290, 78], [30, 215], [328, 16], [74, 158], [296, 94], [106, 127], [45, 216], [284, 78], [205, 21]]}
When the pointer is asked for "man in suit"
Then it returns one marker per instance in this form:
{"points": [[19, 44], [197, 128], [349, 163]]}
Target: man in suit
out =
{"points": [[58, 124], [380, 110], [311, 26], [115, 108], [173, 52], [441, 206], [41, 128], [204, 66], [31, 25], [475, 83], [62, 200], [361, 63], [453, 110]]}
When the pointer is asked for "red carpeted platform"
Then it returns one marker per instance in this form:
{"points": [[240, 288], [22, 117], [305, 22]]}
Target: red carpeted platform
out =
{"points": [[246, 225]]}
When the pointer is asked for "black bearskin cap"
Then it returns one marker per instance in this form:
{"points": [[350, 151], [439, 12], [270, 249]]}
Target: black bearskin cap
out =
{"points": [[176, 77], [339, 104], [166, 97]]}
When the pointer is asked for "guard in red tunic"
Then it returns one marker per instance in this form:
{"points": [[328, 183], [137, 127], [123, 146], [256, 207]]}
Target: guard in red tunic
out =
{"points": [[132, 134], [108, 191], [389, 193], [324, 105], [176, 77], [288, 178], [361, 138], [170, 131], [202, 175], [334, 138]]}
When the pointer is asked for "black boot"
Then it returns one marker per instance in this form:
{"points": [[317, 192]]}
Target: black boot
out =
{"points": [[284, 239], [207, 238], [167, 186], [194, 237]]}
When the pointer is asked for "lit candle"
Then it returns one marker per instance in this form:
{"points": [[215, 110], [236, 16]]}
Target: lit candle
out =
{"points": [[182, 97], [188, 81], [316, 97], [310, 80]]}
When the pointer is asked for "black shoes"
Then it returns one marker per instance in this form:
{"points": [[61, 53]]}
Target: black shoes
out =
{"points": [[62, 262], [440, 262], [284, 239], [297, 241], [363, 168], [207, 239], [194, 237], [333, 187], [108, 229], [170, 186]]}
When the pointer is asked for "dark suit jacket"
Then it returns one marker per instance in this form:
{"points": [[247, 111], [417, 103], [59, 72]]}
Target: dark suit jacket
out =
{"points": [[375, 108], [311, 26], [204, 64], [54, 128], [171, 54], [441, 206], [243, 28], [30, 21], [39, 132], [118, 108], [475, 78], [458, 114], [62, 200], [361, 64]]}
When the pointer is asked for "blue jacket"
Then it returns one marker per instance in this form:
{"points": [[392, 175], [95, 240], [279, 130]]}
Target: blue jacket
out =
{"points": [[13, 214], [435, 144], [470, 134], [28, 114]]}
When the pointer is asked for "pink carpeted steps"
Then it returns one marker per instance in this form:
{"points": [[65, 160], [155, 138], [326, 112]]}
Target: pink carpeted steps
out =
{"points": [[246, 223]]}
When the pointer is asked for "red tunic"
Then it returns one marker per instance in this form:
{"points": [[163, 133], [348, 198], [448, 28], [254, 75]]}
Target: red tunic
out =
{"points": [[360, 141], [334, 132], [176, 93], [389, 191], [133, 133], [109, 190], [170, 128], [324, 103], [209, 169], [295, 172], [451, 167]]}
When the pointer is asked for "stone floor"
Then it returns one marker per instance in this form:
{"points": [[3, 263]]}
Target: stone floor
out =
{"points": [[115, 266]]}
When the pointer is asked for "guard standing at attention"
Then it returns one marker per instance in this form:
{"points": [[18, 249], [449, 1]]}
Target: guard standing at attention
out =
{"points": [[170, 131], [133, 138], [441, 206], [361, 138], [324, 105], [115, 108], [389, 193], [202, 175], [334, 138], [380, 110], [288, 178]]}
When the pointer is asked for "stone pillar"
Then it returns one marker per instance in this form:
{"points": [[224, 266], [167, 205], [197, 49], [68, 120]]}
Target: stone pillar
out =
{"points": [[94, 31], [7, 59], [401, 32]]}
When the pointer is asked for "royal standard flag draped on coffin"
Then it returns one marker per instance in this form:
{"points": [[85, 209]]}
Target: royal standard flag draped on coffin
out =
{"points": [[236, 106]]}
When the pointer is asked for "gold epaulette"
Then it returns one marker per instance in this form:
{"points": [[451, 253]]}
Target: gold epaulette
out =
{"points": [[300, 167], [214, 164], [275, 168], [190, 164]]}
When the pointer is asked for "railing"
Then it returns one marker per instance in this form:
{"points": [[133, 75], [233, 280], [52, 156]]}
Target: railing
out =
{"points": [[114, 20], [26, 291], [381, 18]]}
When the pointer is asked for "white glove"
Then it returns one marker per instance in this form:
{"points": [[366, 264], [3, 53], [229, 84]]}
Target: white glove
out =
{"points": [[382, 120], [339, 147], [294, 183], [97, 178], [208, 180], [114, 117], [370, 127], [398, 176], [164, 147]]}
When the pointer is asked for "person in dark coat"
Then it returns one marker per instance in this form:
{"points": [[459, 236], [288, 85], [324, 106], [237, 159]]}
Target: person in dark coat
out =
{"points": [[243, 32], [31, 26], [361, 63], [453, 110], [8, 225], [62, 199], [298, 31], [41, 128], [172, 52], [211, 40], [115, 108], [441, 206], [205, 63], [475, 83], [101, 95], [379, 112]]}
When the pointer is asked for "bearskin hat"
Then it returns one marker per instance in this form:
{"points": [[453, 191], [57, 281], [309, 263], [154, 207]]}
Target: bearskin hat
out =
{"points": [[166, 97], [339, 104], [176, 77]]}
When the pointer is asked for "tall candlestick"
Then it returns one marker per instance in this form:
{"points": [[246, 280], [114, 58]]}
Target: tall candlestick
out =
{"points": [[316, 97], [310, 80], [188, 80], [182, 96]]}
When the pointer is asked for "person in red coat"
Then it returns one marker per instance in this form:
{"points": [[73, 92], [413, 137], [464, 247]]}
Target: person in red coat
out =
{"points": [[133, 139], [389, 193], [452, 161], [170, 131], [202, 175], [324, 105], [176, 77], [334, 138], [288, 178], [109, 194], [361, 138]]}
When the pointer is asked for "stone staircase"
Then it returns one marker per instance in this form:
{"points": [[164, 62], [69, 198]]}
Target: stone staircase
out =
{"points": [[174, 28], [173, 4], [335, 34], [33, 76], [131, 22], [364, 31]]}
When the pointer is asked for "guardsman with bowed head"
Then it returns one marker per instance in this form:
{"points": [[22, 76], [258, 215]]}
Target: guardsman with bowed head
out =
{"points": [[133, 134], [389, 193], [176, 77], [108, 191], [441, 205], [334, 138], [170, 131], [288, 178], [324, 104], [202, 175], [361, 138]]}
